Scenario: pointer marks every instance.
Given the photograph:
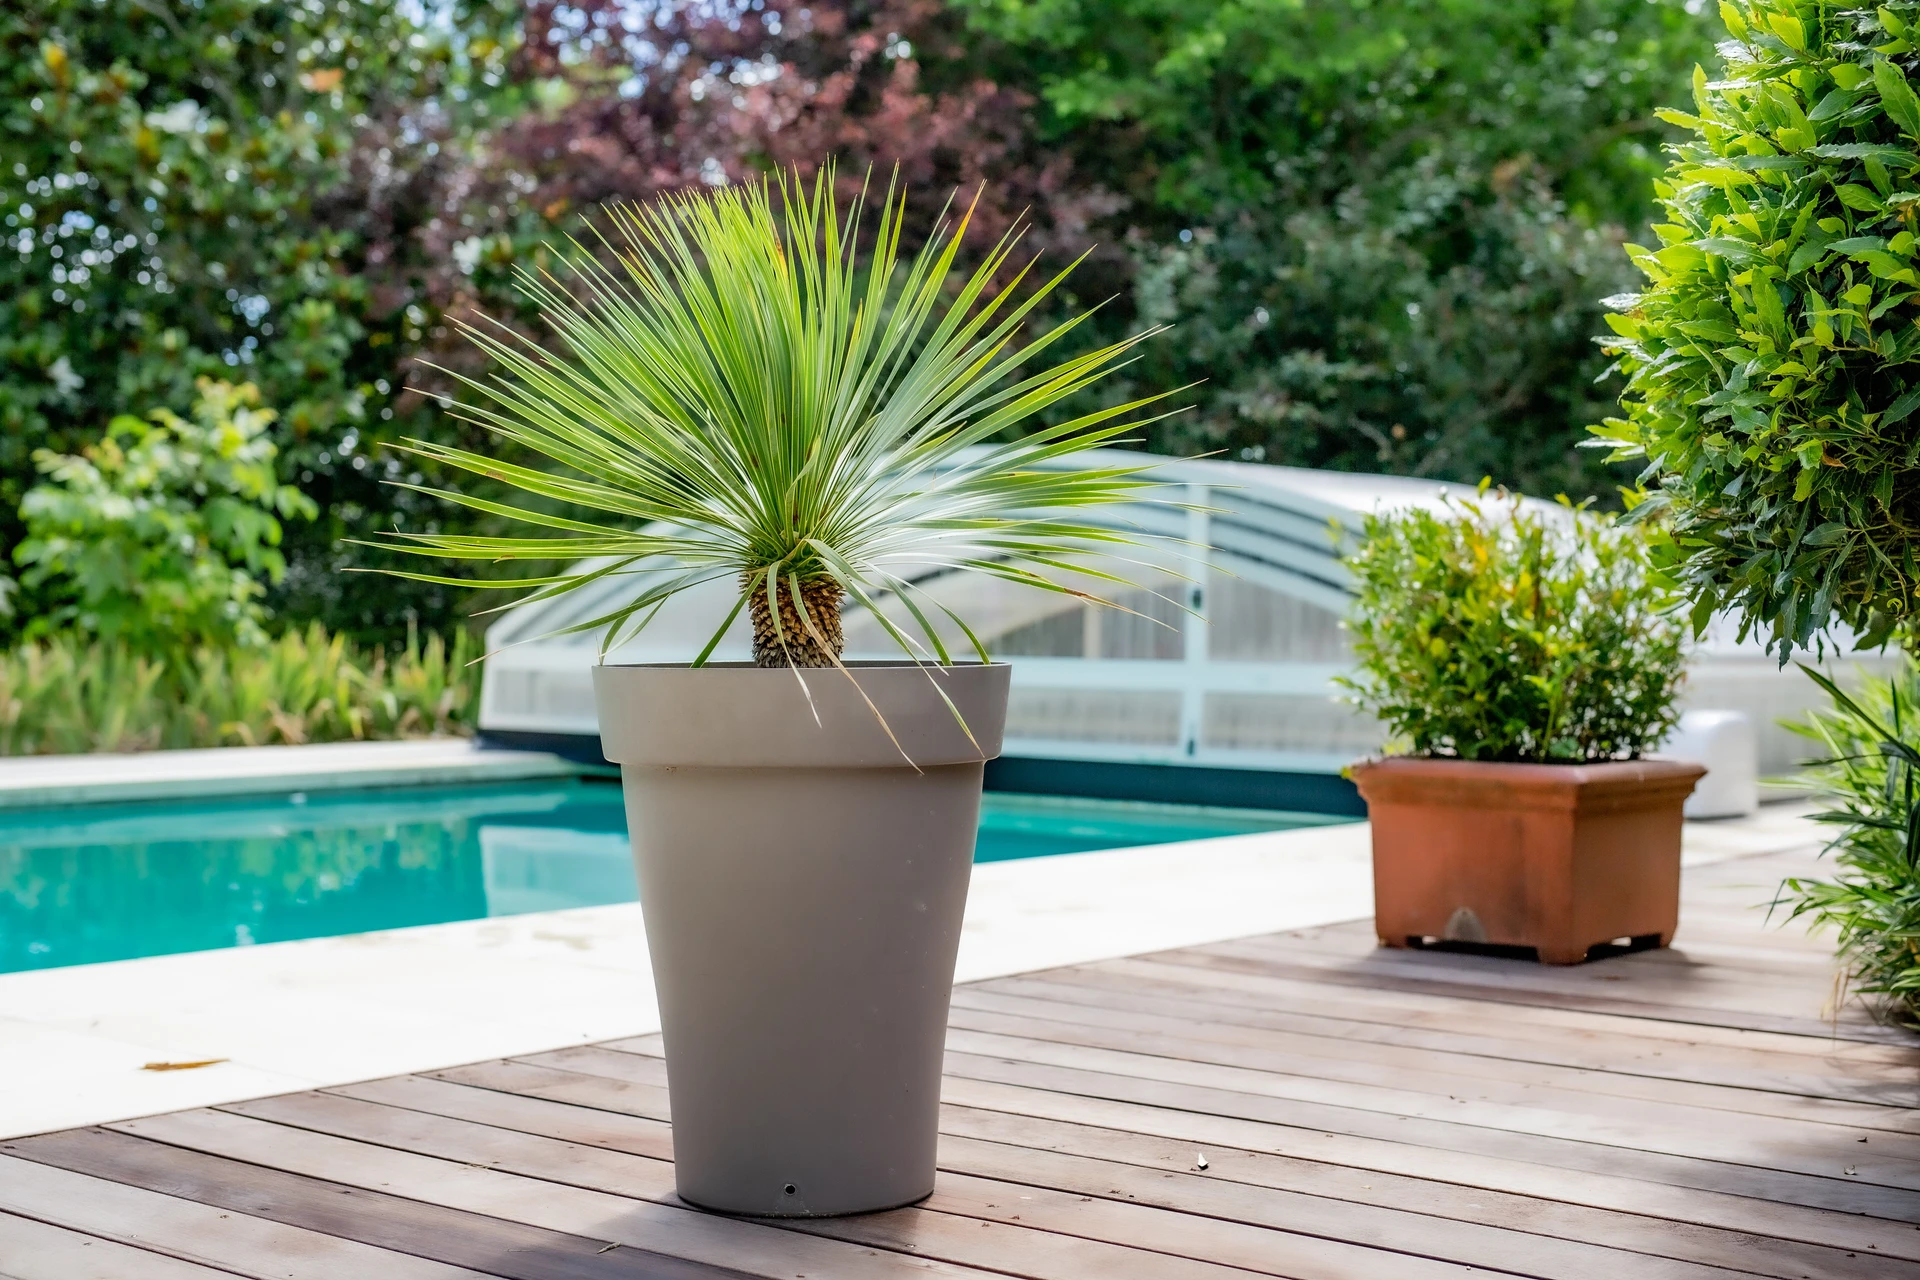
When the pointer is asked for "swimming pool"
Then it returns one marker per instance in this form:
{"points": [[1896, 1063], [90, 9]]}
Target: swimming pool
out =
{"points": [[110, 882]]}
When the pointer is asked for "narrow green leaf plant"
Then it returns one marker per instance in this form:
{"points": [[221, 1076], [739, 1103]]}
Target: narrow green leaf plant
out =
{"points": [[730, 389], [1869, 776]]}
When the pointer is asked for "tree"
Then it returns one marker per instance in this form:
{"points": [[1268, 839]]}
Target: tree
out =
{"points": [[1774, 356], [1381, 229], [180, 200]]}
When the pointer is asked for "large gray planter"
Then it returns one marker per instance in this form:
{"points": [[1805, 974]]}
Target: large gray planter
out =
{"points": [[803, 887]]}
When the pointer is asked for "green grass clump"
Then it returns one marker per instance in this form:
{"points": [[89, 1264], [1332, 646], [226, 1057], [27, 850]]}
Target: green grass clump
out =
{"points": [[67, 694], [1871, 738], [1494, 632]]}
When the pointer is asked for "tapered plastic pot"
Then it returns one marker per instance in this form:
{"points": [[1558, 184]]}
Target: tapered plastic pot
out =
{"points": [[804, 855]]}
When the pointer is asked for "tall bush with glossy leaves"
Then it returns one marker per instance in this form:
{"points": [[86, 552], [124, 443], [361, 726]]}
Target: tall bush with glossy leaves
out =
{"points": [[1774, 356]]}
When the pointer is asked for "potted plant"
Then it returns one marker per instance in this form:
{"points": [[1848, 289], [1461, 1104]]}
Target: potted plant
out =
{"points": [[1866, 773], [734, 393], [1773, 365], [1526, 661]]}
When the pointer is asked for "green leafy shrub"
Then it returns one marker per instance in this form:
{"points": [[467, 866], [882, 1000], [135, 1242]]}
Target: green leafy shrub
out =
{"points": [[1774, 358], [1493, 631], [1872, 745], [67, 694], [160, 534]]}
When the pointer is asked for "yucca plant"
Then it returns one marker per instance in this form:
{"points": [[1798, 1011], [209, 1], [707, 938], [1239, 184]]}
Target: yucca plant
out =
{"points": [[733, 392]]}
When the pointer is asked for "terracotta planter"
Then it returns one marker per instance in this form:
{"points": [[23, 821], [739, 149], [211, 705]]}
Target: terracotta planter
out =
{"points": [[1560, 858]]}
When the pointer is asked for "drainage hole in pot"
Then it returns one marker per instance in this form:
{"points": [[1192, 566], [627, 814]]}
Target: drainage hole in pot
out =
{"points": [[790, 1189]]}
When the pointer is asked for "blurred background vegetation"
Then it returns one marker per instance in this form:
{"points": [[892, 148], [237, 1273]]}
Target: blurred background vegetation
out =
{"points": [[1380, 228]]}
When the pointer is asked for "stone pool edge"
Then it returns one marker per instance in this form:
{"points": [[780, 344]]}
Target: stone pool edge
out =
{"points": [[232, 771]]}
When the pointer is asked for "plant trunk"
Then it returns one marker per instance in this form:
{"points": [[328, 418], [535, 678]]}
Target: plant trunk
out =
{"points": [[795, 643]]}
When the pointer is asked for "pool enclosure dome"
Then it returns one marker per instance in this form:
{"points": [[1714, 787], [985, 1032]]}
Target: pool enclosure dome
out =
{"points": [[1240, 679]]}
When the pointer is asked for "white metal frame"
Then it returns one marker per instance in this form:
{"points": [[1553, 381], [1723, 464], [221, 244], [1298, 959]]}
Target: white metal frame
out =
{"points": [[1273, 526]]}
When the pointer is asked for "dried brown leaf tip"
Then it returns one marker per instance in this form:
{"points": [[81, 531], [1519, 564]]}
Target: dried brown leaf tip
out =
{"points": [[182, 1066]]}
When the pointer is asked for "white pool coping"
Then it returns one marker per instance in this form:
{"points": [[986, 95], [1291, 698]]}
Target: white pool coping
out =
{"points": [[299, 1015], [230, 771]]}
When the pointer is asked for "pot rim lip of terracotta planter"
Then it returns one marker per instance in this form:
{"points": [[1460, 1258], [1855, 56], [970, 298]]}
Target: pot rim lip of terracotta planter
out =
{"points": [[1537, 771], [1597, 786]]}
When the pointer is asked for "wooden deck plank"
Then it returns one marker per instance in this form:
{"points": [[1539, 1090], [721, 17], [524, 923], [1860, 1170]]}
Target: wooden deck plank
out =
{"points": [[1455, 1026], [1672, 976], [1823, 1150], [1291, 1209], [1834, 1155], [1579, 1050], [1302, 1105], [1455, 1070], [634, 1072], [1336, 1164], [1604, 1242], [1423, 1208], [31, 1250], [1340, 1167], [1096, 1224], [1528, 991], [199, 1233], [628, 1221], [1876, 1060], [1311, 1119], [484, 1243]]}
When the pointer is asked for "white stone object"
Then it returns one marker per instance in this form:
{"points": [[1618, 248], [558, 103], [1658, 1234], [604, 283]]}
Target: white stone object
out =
{"points": [[1723, 741]]}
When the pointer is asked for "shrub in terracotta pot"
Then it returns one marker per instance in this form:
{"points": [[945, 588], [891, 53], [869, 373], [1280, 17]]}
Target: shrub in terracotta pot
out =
{"points": [[1524, 660], [1773, 361], [734, 392]]}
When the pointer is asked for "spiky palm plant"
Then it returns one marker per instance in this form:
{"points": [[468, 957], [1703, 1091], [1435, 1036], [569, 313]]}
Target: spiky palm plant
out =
{"points": [[734, 393]]}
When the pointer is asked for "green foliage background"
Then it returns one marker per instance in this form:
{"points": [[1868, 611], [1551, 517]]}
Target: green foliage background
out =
{"points": [[186, 192], [1379, 227]]}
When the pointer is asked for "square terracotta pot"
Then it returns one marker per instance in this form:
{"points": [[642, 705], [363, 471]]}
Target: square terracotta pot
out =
{"points": [[1560, 858]]}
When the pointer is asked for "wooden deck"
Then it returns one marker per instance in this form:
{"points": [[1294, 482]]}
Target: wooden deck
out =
{"points": [[1298, 1105]]}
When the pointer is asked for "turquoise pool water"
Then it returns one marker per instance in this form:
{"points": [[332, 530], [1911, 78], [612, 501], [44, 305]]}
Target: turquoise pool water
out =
{"points": [[110, 882]]}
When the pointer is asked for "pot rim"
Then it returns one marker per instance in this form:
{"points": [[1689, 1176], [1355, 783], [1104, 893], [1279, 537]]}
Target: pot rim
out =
{"points": [[885, 715], [852, 664], [1663, 764]]}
